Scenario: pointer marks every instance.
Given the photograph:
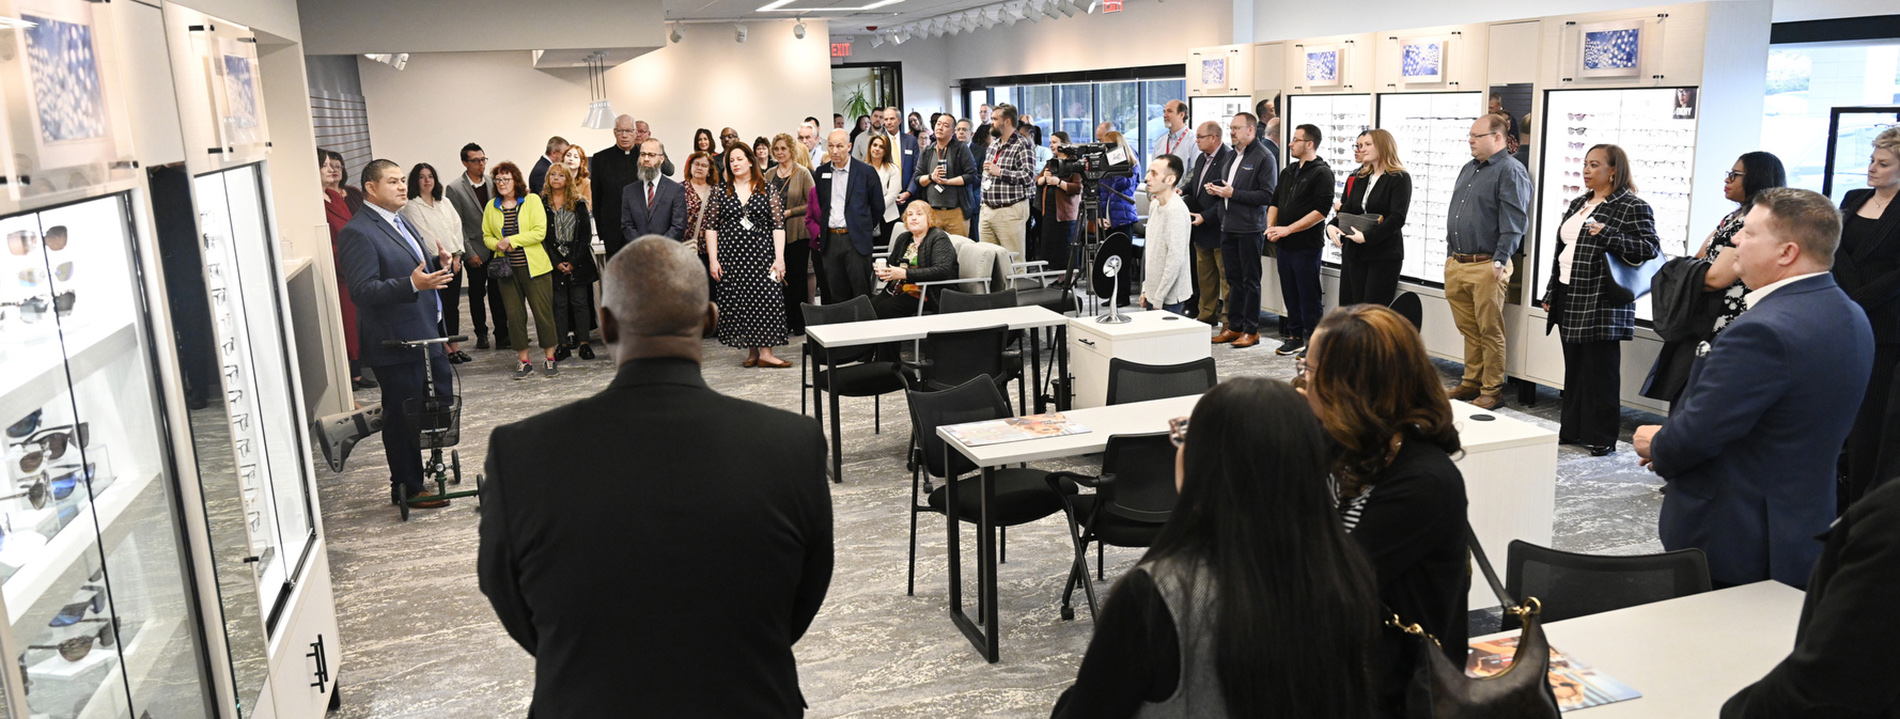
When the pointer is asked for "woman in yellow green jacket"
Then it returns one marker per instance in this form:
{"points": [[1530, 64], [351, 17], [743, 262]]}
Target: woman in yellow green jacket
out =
{"points": [[513, 226]]}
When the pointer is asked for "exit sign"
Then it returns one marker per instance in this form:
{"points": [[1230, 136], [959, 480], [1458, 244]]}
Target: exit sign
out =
{"points": [[841, 49], [1109, 6]]}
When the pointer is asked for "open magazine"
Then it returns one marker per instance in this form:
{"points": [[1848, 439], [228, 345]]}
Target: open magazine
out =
{"points": [[1014, 429], [1576, 685]]}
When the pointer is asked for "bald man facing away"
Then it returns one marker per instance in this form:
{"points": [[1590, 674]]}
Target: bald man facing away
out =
{"points": [[658, 547]]}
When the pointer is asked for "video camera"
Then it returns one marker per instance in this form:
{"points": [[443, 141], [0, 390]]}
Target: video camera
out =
{"points": [[1093, 161]]}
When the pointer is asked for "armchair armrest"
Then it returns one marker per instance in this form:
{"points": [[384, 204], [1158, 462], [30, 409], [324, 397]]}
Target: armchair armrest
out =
{"points": [[1086, 480]]}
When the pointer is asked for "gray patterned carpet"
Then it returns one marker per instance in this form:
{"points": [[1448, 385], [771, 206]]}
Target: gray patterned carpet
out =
{"points": [[419, 639]]}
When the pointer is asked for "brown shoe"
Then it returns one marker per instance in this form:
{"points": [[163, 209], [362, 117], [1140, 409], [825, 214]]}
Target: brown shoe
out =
{"points": [[1226, 336], [775, 363], [752, 362], [1488, 401], [417, 501], [1463, 393], [1247, 340]]}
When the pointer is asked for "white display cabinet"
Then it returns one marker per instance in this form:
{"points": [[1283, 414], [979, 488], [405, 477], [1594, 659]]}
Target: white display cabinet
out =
{"points": [[1431, 130]]}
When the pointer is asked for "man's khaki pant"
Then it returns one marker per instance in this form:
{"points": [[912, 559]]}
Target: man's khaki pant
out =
{"points": [[1210, 283], [1476, 294], [951, 221], [1005, 226]]}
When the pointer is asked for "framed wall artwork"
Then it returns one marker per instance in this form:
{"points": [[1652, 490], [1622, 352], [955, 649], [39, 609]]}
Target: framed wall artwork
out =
{"points": [[1214, 72], [1610, 49], [1422, 59], [1325, 65], [68, 119]]}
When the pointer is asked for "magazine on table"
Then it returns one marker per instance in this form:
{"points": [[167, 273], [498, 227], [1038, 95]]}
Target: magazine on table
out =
{"points": [[1014, 429], [1576, 685]]}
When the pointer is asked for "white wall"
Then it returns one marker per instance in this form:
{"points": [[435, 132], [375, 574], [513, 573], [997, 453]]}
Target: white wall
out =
{"points": [[1293, 19], [343, 27], [426, 112]]}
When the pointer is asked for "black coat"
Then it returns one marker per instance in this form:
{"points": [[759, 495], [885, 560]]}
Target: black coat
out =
{"points": [[1685, 317], [1254, 183], [658, 548], [1841, 666], [1870, 273], [1390, 199], [936, 259]]}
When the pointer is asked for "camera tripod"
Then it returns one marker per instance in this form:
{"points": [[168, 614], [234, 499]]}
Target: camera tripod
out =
{"points": [[1087, 249]]}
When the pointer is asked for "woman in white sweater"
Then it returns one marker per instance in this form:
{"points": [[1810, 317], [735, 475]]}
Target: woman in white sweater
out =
{"points": [[1168, 283], [441, 226]]}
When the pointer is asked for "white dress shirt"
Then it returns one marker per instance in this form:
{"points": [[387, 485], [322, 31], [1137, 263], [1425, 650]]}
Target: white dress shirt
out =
{"points": [[840, 177]]}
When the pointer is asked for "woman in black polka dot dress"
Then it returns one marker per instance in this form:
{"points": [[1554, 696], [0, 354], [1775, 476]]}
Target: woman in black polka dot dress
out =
{"points": [[746, 242]]}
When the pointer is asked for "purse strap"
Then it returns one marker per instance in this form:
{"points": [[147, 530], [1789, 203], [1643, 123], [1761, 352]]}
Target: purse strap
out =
{"points": [[1528, 608], [1484, 564]]}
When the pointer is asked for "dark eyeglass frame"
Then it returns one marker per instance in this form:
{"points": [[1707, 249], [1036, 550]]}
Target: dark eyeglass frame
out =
{"points": [[1732, 175], [53, 444], [62, 486], [77, 648], [26, 426]]}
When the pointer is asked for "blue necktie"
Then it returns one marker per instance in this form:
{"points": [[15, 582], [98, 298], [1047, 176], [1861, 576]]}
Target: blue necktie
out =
{"points": [[402, 228]]}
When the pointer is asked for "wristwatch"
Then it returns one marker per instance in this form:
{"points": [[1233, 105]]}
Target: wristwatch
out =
{"points": [[1498, 263]]}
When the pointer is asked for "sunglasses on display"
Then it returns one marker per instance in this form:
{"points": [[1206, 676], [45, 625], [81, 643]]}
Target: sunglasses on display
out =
{"points": [[61, 486], [20, 242], [1579, 130], [33, 309], [34, 277], [72, 613], [25, 426], [1579, 116], [78, 647], [53, 445], [1178, 430], [56, 238]]}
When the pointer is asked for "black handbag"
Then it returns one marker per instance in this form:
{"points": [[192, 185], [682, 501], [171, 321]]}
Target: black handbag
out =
{"points": [[1441, 690]]}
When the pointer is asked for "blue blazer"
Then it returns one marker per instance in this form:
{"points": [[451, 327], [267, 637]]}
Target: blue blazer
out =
{"points": [[863, 207], [375, 261], [908, 154], [1749, 450]]}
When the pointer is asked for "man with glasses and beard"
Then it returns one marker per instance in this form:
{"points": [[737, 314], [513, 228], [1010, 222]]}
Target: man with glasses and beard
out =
{"points": [[611, 170], [653, 204]]}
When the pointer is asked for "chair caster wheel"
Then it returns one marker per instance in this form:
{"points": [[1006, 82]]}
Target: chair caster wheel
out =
{"points": [[1068, 614]]}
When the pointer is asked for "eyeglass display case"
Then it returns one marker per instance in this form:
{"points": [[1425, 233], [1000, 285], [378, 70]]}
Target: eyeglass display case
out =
{"points": [[1340, 118], [1431, 130]]}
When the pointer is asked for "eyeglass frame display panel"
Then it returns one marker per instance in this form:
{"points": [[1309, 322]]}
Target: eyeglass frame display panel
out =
{"points": [[1671, 205], [1335, 142], [1425, 239]]}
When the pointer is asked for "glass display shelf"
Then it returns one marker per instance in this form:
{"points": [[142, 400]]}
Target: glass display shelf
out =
{"points": [[1660, 142], [1340, 119], [1431, 130]]}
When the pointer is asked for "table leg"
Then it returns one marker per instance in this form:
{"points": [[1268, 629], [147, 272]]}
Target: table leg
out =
{"points": [[1035, 368], [1062, 368], [982, 632], [837, 440]]}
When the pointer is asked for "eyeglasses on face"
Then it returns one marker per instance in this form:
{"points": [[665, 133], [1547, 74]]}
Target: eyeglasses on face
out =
{"points": [[1733, 175], [652, 154], [476, 161]]}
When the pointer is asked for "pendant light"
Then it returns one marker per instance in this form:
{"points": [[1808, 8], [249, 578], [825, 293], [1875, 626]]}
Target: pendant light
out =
{"points": [[600, 114]]}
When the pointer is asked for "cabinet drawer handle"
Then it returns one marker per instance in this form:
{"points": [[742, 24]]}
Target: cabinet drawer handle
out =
{"points": [[1086, 341], [323, 664]]}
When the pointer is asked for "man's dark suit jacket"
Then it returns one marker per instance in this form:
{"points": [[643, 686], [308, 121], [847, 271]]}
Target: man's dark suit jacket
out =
{"points": [[1207, 234], [1750, 448], [907, 154], [375, 262], [539, 175], [863, 208], [667, 215], [1253, 185], [666, 560], [1841, 667]]}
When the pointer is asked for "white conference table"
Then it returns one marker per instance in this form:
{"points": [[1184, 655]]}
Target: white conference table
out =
{"points": [[820, 338], [1688, 655], [1103, 422]]}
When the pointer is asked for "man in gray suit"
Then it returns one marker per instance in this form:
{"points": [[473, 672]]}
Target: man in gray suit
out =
{"points": [[468, 194]]}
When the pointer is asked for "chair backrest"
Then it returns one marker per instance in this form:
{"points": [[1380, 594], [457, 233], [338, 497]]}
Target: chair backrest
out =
{"points": [[960, 301], [1407, 305], [953, 358], [1143, 465], [1137, 382], [856, 309], [1574, 585], [982, 261], [974, 401]]}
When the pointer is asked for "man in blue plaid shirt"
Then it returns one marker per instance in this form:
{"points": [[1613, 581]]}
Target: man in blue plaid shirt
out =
{"points": [[1008, 166]]}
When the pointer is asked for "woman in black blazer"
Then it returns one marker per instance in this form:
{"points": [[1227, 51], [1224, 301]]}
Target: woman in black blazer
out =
{"points": [[934, 259], [1867, 267], [1609, 218], [1369, 262], [1368, 378]]}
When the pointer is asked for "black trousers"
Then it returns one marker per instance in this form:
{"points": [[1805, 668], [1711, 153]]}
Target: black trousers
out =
{"points": [[1592, 379], [1240, 252], [478, 314], [1873, 447], [1371, 282], [797, 255], [848, 274], [1053, 242], [1300, 289], [403, 382], [452, 307], [573, 309]]}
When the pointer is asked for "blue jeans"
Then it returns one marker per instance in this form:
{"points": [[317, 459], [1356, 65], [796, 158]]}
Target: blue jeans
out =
{"points": [[1179, 308]]}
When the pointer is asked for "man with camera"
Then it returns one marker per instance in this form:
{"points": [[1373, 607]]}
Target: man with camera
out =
{"points": [[1244, 195]]}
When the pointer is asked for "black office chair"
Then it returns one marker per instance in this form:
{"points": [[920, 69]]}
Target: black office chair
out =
{"points": [[1573, 585], [859, 374], [1137, 382], [960, 301], [1134, 496], [1021, 495], [1407, 305], [948, 359]]}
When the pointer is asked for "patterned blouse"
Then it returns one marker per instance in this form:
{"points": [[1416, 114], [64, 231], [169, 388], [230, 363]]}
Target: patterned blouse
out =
{"points": [[1724, 238]]}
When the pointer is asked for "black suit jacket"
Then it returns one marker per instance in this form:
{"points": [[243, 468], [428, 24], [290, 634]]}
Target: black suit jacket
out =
{"points": [[863, 208], [1842, 659], [1253, 185], [1390, 198], [666, 216], [1870, 272], [1207, 234], [666, 558], [375, 263]]}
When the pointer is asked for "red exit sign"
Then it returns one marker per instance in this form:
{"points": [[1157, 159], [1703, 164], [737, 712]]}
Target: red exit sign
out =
{"points": [[1109, 6], [841, 49]]}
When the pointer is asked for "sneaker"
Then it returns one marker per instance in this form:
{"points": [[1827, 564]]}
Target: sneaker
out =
{"points": [[549, 368], [1291, 346], [524, 371]]}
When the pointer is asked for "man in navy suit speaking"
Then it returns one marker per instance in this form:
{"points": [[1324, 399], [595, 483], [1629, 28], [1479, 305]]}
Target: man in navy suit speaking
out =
{"points": [[1750, 449], [394, 283]]}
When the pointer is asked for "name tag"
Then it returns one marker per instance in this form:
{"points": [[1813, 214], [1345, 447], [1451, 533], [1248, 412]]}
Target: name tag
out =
{"points": [[745, 222], [909, 152], [825, 176], [1248, 168]]}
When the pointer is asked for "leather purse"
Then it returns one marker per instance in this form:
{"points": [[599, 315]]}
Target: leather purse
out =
{"points": [[1441, 690]]}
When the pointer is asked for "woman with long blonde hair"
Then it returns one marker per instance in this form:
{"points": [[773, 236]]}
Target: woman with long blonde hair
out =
{"points": [[570, 244], [1370, 259]]}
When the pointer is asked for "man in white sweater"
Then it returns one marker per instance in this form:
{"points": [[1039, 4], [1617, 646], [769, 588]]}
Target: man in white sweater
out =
{"points": [[1167, 283]]}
